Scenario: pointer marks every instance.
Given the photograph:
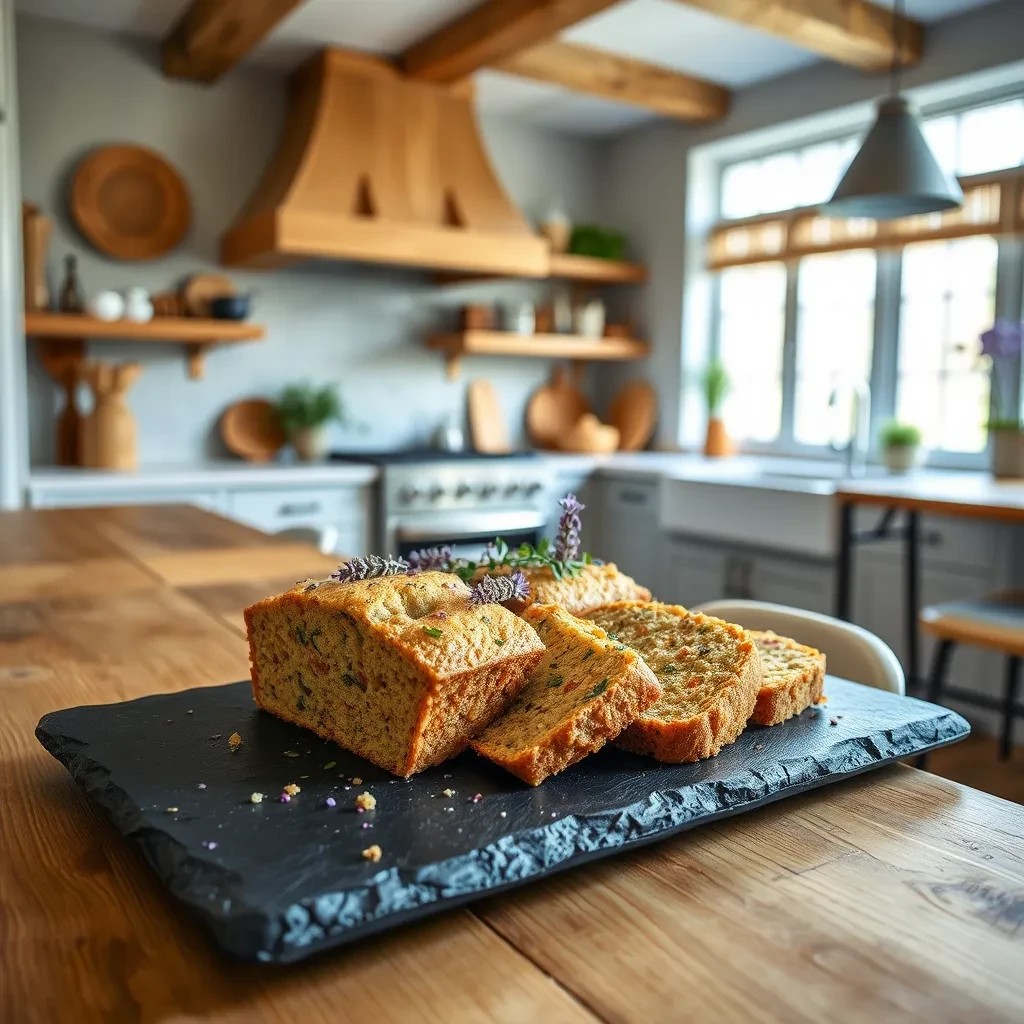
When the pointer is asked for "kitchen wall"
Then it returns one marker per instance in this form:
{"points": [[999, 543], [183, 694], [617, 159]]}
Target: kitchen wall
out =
{"points": [[329, 322], [650, 198]]}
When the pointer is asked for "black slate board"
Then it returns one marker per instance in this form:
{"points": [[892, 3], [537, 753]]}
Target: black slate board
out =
{"points": [[278, 882]]}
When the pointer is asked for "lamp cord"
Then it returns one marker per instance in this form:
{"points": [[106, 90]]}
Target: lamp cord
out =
{"points": [[895, 68]]}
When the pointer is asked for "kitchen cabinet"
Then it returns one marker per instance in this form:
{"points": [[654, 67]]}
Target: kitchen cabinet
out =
{"points": [[627, 525]]}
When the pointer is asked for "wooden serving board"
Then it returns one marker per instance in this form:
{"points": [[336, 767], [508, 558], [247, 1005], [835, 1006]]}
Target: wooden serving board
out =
{"points": [[279, 881]]}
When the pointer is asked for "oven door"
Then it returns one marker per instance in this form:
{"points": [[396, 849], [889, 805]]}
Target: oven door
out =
{"points": [[468, 533]]}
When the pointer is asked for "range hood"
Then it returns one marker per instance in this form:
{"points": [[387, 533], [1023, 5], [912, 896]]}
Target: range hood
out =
{"points": [[374, 167]]}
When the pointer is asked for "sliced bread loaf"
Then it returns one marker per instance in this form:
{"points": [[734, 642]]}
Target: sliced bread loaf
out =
{"points": [[585, 690], [709, 671], [794, 677]]}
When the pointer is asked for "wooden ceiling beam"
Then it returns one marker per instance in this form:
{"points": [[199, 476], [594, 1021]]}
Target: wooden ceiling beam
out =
{"points": [[852, 32], [212, 36], [613, 77], [492, 32]]}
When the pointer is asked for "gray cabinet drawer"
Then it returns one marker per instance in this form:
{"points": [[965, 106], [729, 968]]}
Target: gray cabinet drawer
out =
{"points": [[277, 509]]}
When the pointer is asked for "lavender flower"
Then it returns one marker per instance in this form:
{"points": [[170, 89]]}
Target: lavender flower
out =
{"points": [[369, 567], [1003, 340], [1003, 343], [567, 543], [498, 589], [431, 558]]}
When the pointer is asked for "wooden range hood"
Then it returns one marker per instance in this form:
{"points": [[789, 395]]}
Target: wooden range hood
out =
{"points": [[374, 167]]}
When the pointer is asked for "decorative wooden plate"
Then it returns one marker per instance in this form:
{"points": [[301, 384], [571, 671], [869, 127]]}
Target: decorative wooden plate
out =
{"points": [[634, 411], [251, 429], [129, 202], [554, 409], [201, 288]]}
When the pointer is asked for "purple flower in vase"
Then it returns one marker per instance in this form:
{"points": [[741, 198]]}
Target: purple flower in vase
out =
{"points": [[1003, 340]]}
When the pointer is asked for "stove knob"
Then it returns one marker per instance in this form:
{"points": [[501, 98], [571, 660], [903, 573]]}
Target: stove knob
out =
{"points": [[436, 493], [532, 489], [511, 490], [407, 495], [462, 490], [487, 490]]}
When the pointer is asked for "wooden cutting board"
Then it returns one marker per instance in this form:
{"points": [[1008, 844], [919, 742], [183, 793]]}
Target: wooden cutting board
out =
{"points": [[554, 409], [487, 428], [634, 412]]}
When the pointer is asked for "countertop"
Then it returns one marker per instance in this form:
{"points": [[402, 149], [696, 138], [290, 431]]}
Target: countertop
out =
{"points": [[893, 896]]}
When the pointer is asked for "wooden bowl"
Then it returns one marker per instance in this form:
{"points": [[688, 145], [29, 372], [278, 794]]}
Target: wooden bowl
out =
{"points": [[251, 429], [590, 436], [554, 409]]}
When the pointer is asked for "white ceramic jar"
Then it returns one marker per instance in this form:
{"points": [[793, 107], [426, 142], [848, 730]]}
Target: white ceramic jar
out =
{"points": [[106, 306], [137, 305]]}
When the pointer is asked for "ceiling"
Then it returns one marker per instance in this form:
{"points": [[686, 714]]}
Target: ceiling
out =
{"points": [[659, 31]]}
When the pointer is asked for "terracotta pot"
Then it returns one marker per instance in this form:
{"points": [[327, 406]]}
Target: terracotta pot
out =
{"points": [[1007, 454], [717, 443], [310, 443], [900, 458]]}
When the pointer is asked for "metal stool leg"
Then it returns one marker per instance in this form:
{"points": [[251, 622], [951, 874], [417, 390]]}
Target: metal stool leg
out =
{"points": [[936, 677], [1009, 706]]}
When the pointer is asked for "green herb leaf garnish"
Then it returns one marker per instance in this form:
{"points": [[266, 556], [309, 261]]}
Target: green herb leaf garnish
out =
{"points": [[597, 690], [431, 631], [555, 681]]}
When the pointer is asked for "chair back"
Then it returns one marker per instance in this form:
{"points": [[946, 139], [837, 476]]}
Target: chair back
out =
{"points": [[323, 538], [851, 651]]}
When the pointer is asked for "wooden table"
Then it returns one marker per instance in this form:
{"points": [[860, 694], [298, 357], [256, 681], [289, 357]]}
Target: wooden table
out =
{"points": [[895, 896], [966, 495]]}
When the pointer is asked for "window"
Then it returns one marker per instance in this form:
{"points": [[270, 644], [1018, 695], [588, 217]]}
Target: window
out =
{"points": [[792, 334], [948, 299]]}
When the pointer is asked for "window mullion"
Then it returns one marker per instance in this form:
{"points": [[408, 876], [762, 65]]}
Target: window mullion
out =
{"points": [[885, 353], [789, 354]]}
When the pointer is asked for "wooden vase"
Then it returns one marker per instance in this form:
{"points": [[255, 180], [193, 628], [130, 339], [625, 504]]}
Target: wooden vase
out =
{"points": [[109, 435], [35, 240], [717, 443]]}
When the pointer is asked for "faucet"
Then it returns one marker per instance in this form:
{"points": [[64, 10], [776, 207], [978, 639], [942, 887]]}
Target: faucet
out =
{"points": [[857, 448]]}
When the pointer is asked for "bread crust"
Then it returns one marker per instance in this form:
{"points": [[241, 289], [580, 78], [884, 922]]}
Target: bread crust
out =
{"points": [[791, 686]]}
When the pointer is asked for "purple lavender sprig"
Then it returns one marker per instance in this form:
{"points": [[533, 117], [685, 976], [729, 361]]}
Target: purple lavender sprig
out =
{"points": [[427, 559], [498, 589], [567, 543], [368, 568]]}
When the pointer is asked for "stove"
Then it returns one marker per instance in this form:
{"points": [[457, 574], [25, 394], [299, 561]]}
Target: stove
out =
{"points": [[465, 499]]}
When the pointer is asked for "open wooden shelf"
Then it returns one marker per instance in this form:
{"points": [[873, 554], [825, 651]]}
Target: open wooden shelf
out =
{"points": [[533, 346], [197, 334], [565, 267]]}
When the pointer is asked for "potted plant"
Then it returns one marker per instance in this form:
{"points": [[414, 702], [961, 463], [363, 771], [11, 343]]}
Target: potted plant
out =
{"points": [[1002, 343], [900, 445], [716, 387], [304, 411]]}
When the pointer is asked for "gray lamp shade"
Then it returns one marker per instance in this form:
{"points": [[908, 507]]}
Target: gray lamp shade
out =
{"points": [[895, 174]]}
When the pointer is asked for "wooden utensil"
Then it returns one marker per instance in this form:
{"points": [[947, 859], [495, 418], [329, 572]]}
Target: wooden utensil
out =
{"points": [[109, 435], [35, 239], [251, 429], [200, 289], [634, 413], [590, 436], [487, 428], [129, 202], [554, 409]]}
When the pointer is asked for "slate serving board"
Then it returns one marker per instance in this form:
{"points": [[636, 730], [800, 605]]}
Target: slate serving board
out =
{"points": [[280, 881]]}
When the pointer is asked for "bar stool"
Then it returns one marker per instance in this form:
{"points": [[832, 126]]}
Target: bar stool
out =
{"points": [[995, 622]]}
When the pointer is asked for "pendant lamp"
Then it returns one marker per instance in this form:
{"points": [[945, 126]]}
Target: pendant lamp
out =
{"points": [[894, 174]]}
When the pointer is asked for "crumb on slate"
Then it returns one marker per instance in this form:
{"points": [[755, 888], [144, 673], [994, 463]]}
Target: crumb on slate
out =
{"points": [[759, 746], [216, 736], [476, 798], [234, 741], [448, 792], [372, 853], [366, 801], [503, 814], [202, 785], [833, 721], [171, 810], [331, 802], [356, 781], [255, 798], [292, 790], [330, 765]]}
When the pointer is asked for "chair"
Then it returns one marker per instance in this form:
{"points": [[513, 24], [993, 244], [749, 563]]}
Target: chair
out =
{"points": [[851, 651], [995, 622], [323, 538]]}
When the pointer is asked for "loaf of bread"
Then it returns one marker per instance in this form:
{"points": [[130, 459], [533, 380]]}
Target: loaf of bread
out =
{"points": [[794, 677], [584, 691], [401, 670], [591, 587], [709, 671]]}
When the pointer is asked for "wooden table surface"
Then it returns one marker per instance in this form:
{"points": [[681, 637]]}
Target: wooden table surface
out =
{"points": [[896, 896], [973, 495]]}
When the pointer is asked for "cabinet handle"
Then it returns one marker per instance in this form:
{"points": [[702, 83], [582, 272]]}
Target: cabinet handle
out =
{"points": [[309, 508], [633, 497]]}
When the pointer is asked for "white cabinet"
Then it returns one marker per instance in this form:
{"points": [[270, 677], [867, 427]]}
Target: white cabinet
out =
{"points": [[628, 528], [212, 500]]}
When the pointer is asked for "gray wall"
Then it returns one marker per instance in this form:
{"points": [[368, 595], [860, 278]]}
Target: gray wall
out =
{"points": [[359, 326], [646, 187]]}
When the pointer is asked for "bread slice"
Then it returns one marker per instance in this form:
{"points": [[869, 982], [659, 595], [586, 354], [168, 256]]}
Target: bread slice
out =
{"points": [[583, 692], [794, 677], [592, 587], [709, 671], [401, 670]]}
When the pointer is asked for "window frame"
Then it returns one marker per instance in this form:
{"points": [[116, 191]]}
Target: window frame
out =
{"points": [[883, 377]]}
